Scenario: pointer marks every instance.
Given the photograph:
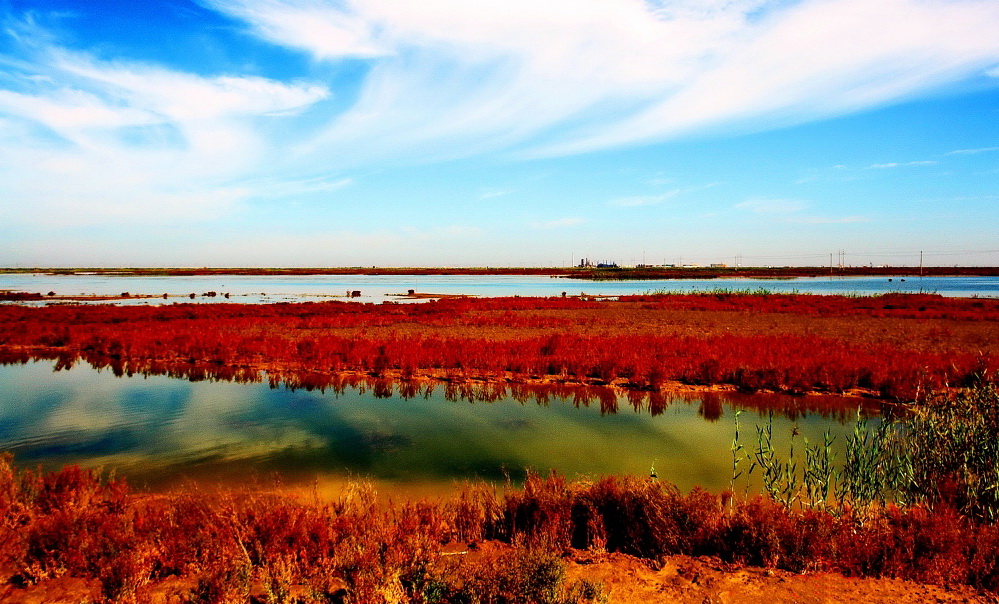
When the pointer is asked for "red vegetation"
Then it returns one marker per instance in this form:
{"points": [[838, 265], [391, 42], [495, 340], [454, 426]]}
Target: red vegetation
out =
{"points": [[9, 296], [227, 547], [898, 346], [907, 306]]}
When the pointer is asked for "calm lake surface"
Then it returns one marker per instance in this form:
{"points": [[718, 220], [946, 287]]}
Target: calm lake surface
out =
{"points": [[378, 288], [160, 431]]}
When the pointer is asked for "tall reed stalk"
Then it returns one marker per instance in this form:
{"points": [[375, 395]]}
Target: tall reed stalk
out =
{"points": [[820, 475], [780, 477], [944, 452], [737, 458]]}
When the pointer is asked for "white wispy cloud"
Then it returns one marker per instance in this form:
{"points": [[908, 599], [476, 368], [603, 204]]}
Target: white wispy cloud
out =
{"points": [[324, 29], [186, 97], [93, 142], [972, 151], [452, 77], [633, 201], [810, 59], [287, 186], [927, 162], [825, 220]]}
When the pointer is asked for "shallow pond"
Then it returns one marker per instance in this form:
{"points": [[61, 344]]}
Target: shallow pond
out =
{"points": [[159, 431]]}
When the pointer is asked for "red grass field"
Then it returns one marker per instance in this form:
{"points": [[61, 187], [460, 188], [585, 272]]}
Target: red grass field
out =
{"points": [[894, 346]]}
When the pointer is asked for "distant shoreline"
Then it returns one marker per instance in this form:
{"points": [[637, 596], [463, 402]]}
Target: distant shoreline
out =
{"points": [[629, 273]]}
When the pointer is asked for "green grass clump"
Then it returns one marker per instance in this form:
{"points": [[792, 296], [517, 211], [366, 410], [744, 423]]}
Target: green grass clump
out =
{"points": [[943, 452]]}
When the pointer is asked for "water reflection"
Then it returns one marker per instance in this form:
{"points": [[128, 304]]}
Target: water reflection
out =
{"points": [[711, 403], [158, 430]]}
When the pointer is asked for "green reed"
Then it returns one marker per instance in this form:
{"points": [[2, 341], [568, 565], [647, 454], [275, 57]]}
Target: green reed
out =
{"points": [[945, 452], [723, 291], [780, 477], [954, 443], [737, 458], [820, 475], [784, 480]]}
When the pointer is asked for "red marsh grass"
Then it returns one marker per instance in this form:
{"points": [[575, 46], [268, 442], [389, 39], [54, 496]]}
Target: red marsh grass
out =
{"points": [[895, 346], [261, 546]]}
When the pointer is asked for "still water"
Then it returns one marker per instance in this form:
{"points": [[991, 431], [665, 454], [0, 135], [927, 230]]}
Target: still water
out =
{"points": [[160, 431], [378, 288]]}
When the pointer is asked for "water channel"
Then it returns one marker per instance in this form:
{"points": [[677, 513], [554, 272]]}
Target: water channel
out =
{"points": [[159, 431], [379, 288]]}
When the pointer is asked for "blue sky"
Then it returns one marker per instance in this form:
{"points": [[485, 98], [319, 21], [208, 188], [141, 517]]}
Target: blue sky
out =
{"points": [[506, 133]]}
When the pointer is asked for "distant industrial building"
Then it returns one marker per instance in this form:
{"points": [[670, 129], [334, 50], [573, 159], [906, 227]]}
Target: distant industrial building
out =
{"points": [[587, 263]]}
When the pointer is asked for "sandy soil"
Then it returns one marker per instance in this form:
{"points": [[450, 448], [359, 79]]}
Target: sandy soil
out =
{"points": [[628, 580], [684, 580]]}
